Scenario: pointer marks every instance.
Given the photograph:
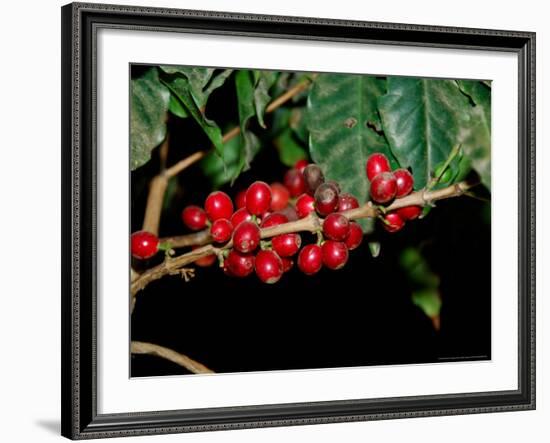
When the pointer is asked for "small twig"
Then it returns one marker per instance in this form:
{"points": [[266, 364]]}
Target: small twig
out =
{"points": [[138, 347], [186, 273], [311, 223], [231, 134], [477, 197], [175, 169], [292, 92], [163, 152], [157, 188]]}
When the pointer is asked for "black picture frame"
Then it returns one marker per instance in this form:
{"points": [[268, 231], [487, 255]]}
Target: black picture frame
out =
{"points": [[79, 173]]}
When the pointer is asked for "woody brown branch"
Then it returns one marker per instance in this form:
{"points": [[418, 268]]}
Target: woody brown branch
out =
{"points": [[195, 239], [137, 347], [311, 223]]}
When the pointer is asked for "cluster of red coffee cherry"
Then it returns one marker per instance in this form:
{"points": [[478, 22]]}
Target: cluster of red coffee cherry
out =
{"points": [[263, 206], [303, 191], [386, 185]]}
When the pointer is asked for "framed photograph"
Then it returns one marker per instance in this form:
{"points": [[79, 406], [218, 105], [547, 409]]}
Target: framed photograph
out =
{"points": [[273, 221]]}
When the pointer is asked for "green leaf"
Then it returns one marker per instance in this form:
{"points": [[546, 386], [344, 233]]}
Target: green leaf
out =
{"points": [[202, 81], [428, 300], [249, 142], [341, 118], [290, 151], [245, 96], [191, 88], [149, 104], [446, 172], [426, 211], [423, 120], [216, 82], [298, 124], [423, 282], [464, 168], [252, 146], [418, 269], [280, 121], [179, 86], [282, 83], [374, 248], [199, 76], [477, 140], [264, 81], [176, 107], [221, 171], [293, 118], [287, 80]]}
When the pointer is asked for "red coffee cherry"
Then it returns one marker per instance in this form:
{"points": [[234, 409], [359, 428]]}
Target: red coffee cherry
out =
{"points": [[205, 262], [310, 259], [377, 163], [193, 217], [335, 254], [313, 177], [240, 199], [221, 230], [258, 198], [287, 264], [218, 205], [279, 196], [355, 236], [239, 216], [301, 165], [290, 213], [336, 227], [273, 219], [335, 185], [326, 199], [393, 223], [383, 187], [405, 182], [269, 267], [305, 205], [246, 237], [294, 182], [239, 265], [226, 270], [409, 212], [286, 245], [347, 202], [144, 244]]}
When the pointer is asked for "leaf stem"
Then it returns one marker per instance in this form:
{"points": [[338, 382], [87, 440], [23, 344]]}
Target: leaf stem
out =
{"points": [[454, 152]]}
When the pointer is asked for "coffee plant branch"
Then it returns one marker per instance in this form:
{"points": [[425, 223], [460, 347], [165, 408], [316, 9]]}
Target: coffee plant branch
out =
{"points": [[138, 347], [199, 238], [311, 223]]}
